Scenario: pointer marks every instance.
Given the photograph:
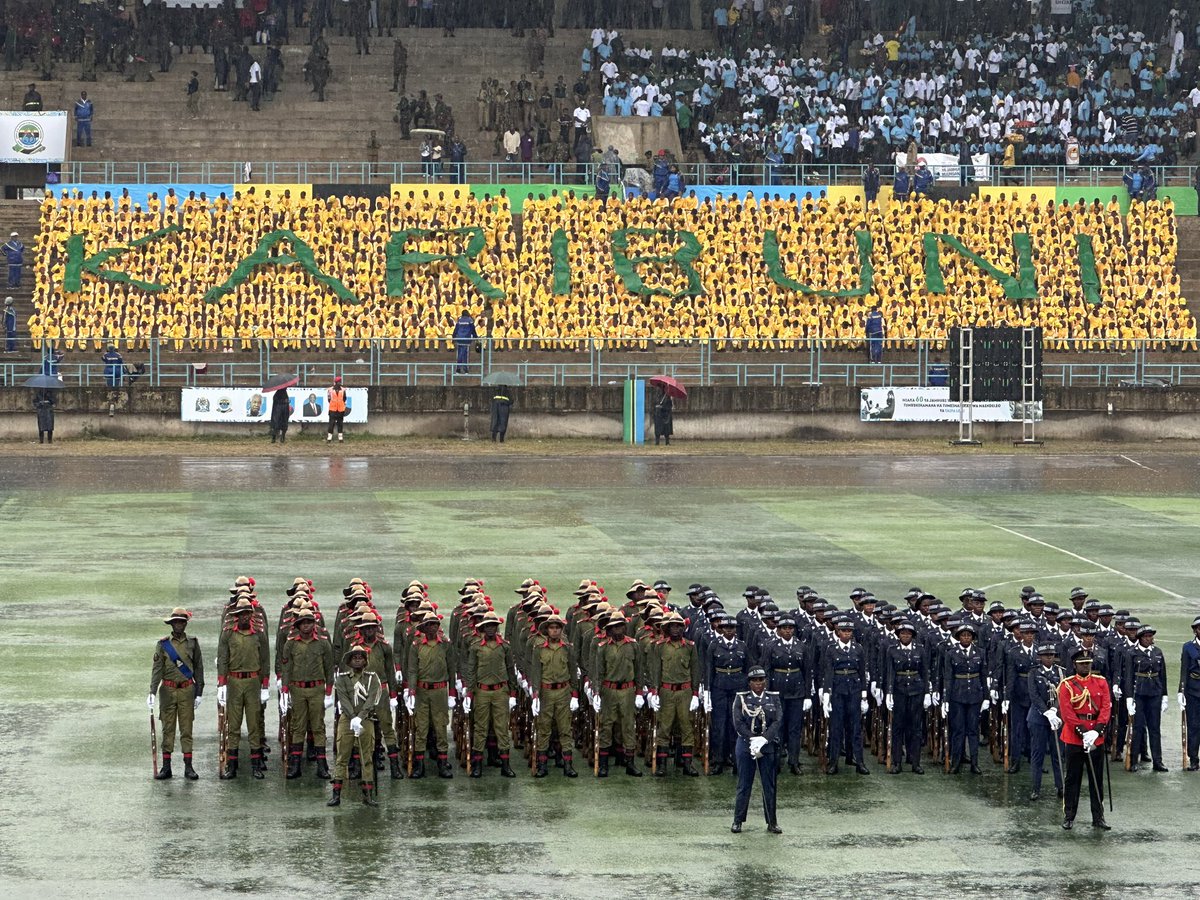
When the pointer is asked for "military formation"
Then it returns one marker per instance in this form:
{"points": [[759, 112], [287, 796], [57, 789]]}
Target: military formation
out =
{"points": [[689, 687]]}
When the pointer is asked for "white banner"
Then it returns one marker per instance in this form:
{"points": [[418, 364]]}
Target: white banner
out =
{"points": [[933, 404], [1060, 7], [33, 137], [252, 405], [944, 166]]}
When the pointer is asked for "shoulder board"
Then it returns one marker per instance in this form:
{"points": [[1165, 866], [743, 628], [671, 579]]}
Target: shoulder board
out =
{"points": [[688, 643]]}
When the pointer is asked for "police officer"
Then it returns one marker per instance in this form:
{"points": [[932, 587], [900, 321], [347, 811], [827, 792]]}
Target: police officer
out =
{"points": [[789, 675], [1189, 695], [464, 336], [14, 253], [906, 686], [1043, 720], [1148, 694], [177, 679], [726, 664], [844, 681], [964, 697], [1085, 706], [757, 718], [1018, 662]]}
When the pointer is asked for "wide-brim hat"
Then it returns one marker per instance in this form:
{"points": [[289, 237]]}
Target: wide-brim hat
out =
{"points": [[242, 605], [491, 617], [553, 619], [302, 614], [178, 614], [356, 648], [586, 586], [1146, 629]]}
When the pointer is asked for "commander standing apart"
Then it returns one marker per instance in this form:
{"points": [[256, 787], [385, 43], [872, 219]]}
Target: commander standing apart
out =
{"points": [[757, 717], [1085, 707]]}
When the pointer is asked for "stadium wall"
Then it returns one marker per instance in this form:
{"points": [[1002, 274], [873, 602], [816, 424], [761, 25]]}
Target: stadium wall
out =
{"points": [[829, 412]]}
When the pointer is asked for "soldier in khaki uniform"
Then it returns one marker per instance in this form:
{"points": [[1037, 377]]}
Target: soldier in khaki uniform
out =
{"points": [[674, 684], [177, 679], [381, 660], [491, 692], [429, 694], [555, 693], [243, 679], [306, 690], [358, 691], [619, 675]]}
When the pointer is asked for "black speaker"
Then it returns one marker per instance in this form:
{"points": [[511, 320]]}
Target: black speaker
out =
{"points": [[998, 362]]}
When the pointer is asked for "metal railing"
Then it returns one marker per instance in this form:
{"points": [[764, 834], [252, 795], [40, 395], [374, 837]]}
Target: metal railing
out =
{"points": [[695, 174], [544, 363]]}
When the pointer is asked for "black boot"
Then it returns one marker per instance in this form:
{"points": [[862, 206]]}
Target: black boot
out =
{"points": [[917, 770], [322, 767], [505, 769], [310, 752], [164, 773], [368, 790], [568, 766], [631, 766], [975, 770], [718, 769], [831, 769], [1014, 768], [861, 769], [476, 765], [688, 768], [257, 769], [602, 769], [336, 799], [394, 760], [541, 771], [188, 772], [231, 766], [418, 767], [660, 763], [294, 760], [444, 770]]}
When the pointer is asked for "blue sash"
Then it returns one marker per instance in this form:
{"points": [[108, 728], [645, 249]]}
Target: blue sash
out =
{"points": [[173, 655]]}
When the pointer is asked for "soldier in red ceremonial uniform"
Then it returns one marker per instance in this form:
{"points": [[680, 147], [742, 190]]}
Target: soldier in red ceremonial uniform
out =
{"points": [[1085, 706]]}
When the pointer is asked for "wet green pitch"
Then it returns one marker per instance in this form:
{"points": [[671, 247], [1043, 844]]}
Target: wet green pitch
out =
{"points": [[96, 551]]}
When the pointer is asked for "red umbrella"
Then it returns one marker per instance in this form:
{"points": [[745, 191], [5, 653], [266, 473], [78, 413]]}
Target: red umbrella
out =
{"points": [[670, 385], [278, 382]]}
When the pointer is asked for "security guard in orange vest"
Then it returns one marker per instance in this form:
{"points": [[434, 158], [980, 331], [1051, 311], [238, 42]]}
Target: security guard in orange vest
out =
{"points": [[335, 402]]}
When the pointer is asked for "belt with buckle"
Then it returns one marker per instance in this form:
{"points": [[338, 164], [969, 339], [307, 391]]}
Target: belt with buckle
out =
{"points": [[616, 685], [432, 685], [740, 671], [178, 684], [555, 685], [492, 687], [243, 674], [677, 686], [306, 684]]}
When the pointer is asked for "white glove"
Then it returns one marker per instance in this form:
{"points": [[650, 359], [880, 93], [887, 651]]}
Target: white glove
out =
{"points": [[356, 726], [222, 694], [328, 700], [995, 696], [596, 702], [874, 688], [695, 704], [284, 703], [708, 701], [467, 705], [945, 709], [638, 701], [512, 704], [655, 703], [410, 702], [756, 746], [451, 702], [1116, 691], [1131, 707], [574, 705], [826, 705], [1052, 717], [1182, 700], [878, 696], [807, 704], [937, 698], [1004, 708], [150, 701], [196, 703], [986, 705], [1164, 703], [522, 682], [264, 695], [536, 706], [928, 700], [862, 705], [459, 687], [393, 703], [1090, 738], [890, 702]]}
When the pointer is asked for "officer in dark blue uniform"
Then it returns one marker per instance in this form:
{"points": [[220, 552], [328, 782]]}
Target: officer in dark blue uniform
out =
{"points": [[748, 619], [1043, 720], [1019, 660], [762, 631], [789, 674], [726, 664], [844, 680], [1148, 671], [757, 718], [906, 684], [964, 697], [1189, 695], [464, 336]]}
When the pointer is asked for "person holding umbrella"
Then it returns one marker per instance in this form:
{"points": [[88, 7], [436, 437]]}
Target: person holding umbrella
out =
{"points": [[501, 401], [43, 402], [281, 411], [664, 420]]}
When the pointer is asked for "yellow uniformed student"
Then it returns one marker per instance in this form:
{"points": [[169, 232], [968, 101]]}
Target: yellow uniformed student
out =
{"points": [[177, 679]]}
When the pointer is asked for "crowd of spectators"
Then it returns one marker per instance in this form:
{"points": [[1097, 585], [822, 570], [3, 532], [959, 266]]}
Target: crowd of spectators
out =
{"points": [[742, 305]]}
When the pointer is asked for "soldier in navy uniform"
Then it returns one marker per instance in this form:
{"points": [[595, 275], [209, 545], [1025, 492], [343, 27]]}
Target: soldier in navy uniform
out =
{"points": [[1043, 719], [725, 667], [747, 619], [1189, 695], [789, 674], [1148, 693], [1088, 640], [964, 697], [1018, 661], [906, 686], [762, 631], [844, 679], [757, 717]]}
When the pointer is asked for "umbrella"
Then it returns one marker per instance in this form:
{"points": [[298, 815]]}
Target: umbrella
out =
{"points": [[503, 378], [278, 382], [45, 382], [670, 385]]}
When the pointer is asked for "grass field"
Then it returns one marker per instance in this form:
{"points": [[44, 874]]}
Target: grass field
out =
{"points": [[98, 549]]}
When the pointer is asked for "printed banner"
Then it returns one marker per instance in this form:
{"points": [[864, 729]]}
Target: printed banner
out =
{"points": [[252, 405], [944, 166], [1060, 7], [933, 404], [33, 137]]}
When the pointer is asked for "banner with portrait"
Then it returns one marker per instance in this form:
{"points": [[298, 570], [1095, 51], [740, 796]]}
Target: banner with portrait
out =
{"points": [[933, 404], [249, 405]]}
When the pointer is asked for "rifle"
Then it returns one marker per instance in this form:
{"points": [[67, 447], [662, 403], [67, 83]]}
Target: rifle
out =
{"points": [[820, 733], [468, 725], [410, 742], [703, 736], [946, 743], [533, 740], [1129, 742], [653, 748], [337, 715], [153, 747], [595, 742], [890, 732], [285, 730], [1183, 729], [1004, 735]]}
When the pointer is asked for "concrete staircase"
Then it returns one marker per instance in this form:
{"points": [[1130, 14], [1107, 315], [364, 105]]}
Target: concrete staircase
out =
{"points": [[1188, 260], [147, 122], [23, 217]]}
